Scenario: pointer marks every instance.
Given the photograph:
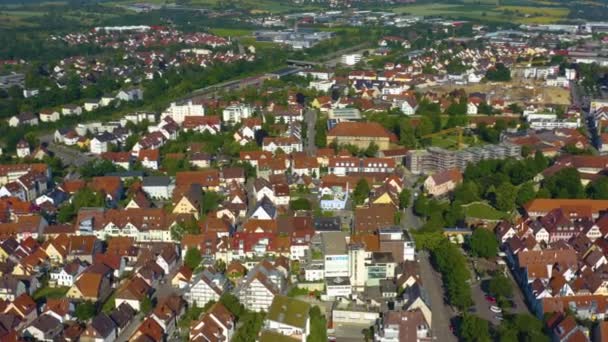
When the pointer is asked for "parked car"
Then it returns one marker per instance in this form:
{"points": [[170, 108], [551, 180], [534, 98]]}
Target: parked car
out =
{"points": [[495, 309], [490, 299], [499, 318]]}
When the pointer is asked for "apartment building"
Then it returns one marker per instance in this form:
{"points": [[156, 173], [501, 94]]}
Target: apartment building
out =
{"points": [[436, 159]]}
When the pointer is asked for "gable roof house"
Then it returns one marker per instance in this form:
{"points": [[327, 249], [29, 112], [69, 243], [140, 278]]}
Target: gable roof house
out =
{"points": [[101, 329], [133, 292], [188, 201], [442, 182], [44, 328], [257, 290], [206, 286], [25, 118], [90, 286], [217, 324], [264, 210], [168, 312]]}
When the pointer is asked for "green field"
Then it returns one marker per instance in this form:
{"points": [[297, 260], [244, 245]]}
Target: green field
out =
{"points": [[228, 32], [489, 11], [483, 211]]}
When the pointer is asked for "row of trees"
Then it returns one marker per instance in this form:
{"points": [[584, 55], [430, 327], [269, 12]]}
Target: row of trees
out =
{"points": [[452, 264], [520, 327], [566, 183]]}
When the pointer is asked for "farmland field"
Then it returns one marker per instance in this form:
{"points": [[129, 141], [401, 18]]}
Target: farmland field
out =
{"points": [[524, 12]]}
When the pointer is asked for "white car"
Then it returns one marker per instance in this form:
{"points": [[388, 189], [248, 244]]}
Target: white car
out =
{"points": [[495, 309]]}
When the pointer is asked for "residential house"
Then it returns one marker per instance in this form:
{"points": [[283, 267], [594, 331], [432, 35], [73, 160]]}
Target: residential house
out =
{"points": [[49, 115], [101, 329], [206, 286], [44, 328], [217, 324], [90, 286], [290, 317], [259, 287], [443, 182], [168, 312]]}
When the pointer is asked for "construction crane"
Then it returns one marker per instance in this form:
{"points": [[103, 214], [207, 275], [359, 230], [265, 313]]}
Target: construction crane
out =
{"points": [[459, 130]]}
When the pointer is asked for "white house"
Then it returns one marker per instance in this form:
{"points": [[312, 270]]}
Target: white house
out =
{"points": [[23, 149], [131, 94], [66, 275], [262, 283], [91, 105], [409, 106], [71, 109], [179, 110], [101, 143], [49, 115], [286, 144], [206, 286], [235, 113]]}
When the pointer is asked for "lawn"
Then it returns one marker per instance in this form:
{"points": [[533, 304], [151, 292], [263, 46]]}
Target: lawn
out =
{"points": [[482, 210], [229, 32], [50, 292]]}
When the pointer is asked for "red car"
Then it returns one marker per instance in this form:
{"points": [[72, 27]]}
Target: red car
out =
{"points": [[491, 299]]}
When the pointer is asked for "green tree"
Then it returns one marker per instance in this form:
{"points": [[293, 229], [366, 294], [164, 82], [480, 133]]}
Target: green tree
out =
{"points": [[483, 243], [499, 73], [500, 286], [540, 161], [193, 258], [454, 271], [467, 192], [407, 137], [404, 198], [318, 326], [522, 328], [505, 197], [361, 191], [97, 167], [565, 183], [525, 194], [85, 311], [300, 204], [425, 126], [146, 305], [371, 150], [474, 329], [598, 189], [231, 302]]}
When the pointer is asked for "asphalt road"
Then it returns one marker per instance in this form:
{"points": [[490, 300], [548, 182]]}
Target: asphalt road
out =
{"points": [[482, 306], [69, 156], [310, 118], [442, 313]]}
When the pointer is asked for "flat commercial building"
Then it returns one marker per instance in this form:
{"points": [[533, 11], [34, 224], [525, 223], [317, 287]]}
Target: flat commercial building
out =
{"points": [[336, 254]]}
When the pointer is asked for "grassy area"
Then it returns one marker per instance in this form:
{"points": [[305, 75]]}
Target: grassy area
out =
{"points": [[110, 304], [50, 292], [483, 211], [488, 10], [229, 32]]}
